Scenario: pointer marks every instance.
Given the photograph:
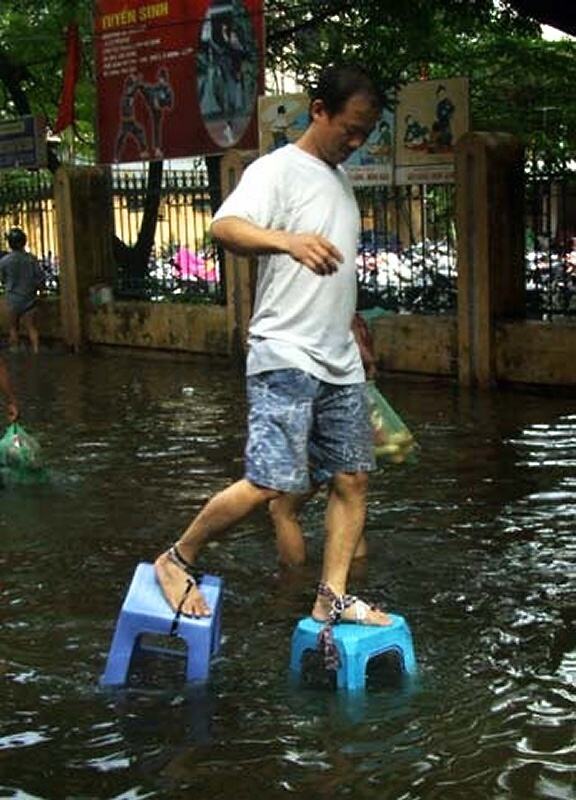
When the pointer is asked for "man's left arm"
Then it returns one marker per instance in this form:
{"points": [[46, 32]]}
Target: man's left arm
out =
{"points": [[365, 345]]}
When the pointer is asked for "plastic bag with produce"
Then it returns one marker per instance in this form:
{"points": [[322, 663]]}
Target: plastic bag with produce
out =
{"points": [[393, 441]]}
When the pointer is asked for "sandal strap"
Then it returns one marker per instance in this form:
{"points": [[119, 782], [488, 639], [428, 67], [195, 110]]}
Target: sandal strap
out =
{"points": [[175, 556], [338, 602], [190, 582], [325, 642]]}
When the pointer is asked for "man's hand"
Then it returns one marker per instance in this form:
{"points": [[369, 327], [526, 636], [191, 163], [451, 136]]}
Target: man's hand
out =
{"points": [[315, 252]]}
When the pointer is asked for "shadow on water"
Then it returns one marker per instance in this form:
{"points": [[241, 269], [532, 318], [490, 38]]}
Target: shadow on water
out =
{"points": [[474, 545]]}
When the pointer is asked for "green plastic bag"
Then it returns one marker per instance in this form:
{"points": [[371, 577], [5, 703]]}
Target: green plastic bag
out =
{"points": [[20, 453], [393, 441]]}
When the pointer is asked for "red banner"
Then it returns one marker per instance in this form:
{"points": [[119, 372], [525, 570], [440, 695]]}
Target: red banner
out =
{"points": [[71, 72], [177, 78]]}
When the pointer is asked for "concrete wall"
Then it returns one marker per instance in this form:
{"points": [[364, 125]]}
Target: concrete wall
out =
{"points": [[414, 343], [529, 351], [526, 351], [162, 326]]}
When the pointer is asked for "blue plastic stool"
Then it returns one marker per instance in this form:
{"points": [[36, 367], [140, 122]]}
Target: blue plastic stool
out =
{"points": [[145, 610], [356, 644]]}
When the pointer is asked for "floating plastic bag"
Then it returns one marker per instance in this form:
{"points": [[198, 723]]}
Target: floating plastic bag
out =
{"points": [[20, 453], [393, 442]]}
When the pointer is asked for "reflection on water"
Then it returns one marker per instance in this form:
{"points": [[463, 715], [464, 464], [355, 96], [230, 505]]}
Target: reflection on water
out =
{"points": [[474, 545]]}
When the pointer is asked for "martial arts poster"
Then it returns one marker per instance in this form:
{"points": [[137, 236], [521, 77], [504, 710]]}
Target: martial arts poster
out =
{"points": [[430, 117], [177, 78], [281, 119]]}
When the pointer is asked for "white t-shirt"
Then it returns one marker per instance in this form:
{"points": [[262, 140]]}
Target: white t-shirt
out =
{"points": [[301, 319]]}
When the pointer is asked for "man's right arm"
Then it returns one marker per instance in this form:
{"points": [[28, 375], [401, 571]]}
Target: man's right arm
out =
{"points": [[246, 238]]}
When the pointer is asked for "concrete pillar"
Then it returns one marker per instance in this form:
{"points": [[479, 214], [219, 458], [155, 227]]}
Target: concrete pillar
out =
{"points": [[490, 234], [85, 223], [240, 270]]}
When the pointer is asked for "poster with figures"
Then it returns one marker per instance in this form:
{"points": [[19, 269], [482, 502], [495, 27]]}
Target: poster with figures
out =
{"points": [[176, 78], [284, 118], [281, 119], [372, 164], [430, 117]]}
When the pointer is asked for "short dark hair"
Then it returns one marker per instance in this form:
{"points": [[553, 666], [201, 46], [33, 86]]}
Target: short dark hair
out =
{"points": [[16, 238], [336, 85]]}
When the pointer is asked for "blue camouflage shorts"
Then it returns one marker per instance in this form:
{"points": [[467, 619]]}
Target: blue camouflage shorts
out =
{"points": [[303, 430]]}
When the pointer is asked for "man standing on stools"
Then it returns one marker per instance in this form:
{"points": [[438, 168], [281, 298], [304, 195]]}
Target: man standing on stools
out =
{"points": [[295, 209]]}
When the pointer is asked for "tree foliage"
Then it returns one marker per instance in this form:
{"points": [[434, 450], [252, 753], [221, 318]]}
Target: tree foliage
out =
{"points": [[32, 53], [513, 73], [519, 83]]}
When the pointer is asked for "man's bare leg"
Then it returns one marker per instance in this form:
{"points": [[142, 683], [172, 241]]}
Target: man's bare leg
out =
{"points": [[345, 517], [29, 320], [223, 511], [13, 337], [284, 511]]}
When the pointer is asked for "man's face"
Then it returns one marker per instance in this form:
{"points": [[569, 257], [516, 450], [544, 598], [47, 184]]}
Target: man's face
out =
{"points": [[337, 136]]}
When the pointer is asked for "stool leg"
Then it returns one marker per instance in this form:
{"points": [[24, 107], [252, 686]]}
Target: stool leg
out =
{"points": [[408, 656], [352, 672], [121, 649], [299, 645], [216, 631], [199, 649]]}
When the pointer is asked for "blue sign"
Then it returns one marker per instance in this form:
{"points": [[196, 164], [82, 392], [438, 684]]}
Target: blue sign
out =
{"points": [[23, 143]]}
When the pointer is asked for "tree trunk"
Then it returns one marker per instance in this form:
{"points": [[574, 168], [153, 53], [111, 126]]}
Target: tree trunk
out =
{"points": [[133, 261]]}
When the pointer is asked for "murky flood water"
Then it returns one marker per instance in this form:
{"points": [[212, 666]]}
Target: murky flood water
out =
{"points": [[474, 545]]}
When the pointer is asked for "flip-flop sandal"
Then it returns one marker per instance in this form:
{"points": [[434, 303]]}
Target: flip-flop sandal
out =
{"points": [[338, 604], [175, 556]]}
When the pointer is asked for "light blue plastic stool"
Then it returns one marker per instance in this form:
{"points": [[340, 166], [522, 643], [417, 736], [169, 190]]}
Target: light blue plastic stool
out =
{"points": [[145, 610], [356, 644]]}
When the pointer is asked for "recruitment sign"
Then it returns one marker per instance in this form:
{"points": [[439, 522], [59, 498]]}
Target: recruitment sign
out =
{"points": [[177, 78]]}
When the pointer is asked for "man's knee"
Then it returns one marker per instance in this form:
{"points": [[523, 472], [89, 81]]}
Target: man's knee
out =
{"points": [[350, 484], [279, 507], [265, 494]]}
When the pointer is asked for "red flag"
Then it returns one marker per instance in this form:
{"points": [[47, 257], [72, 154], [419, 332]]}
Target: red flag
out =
{"points": [[71, 72]]}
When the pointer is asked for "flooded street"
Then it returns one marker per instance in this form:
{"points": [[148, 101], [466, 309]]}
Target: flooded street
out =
{"points": [[474, 545]]}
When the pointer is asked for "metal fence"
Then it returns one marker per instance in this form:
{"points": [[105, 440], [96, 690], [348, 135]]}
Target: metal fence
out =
{"points": [[27, 201], [550, 217], [406, 257], [184, 265], [407, 251]]}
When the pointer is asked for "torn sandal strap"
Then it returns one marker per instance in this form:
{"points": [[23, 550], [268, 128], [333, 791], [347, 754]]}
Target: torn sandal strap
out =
{"points": [[338, 603]]}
